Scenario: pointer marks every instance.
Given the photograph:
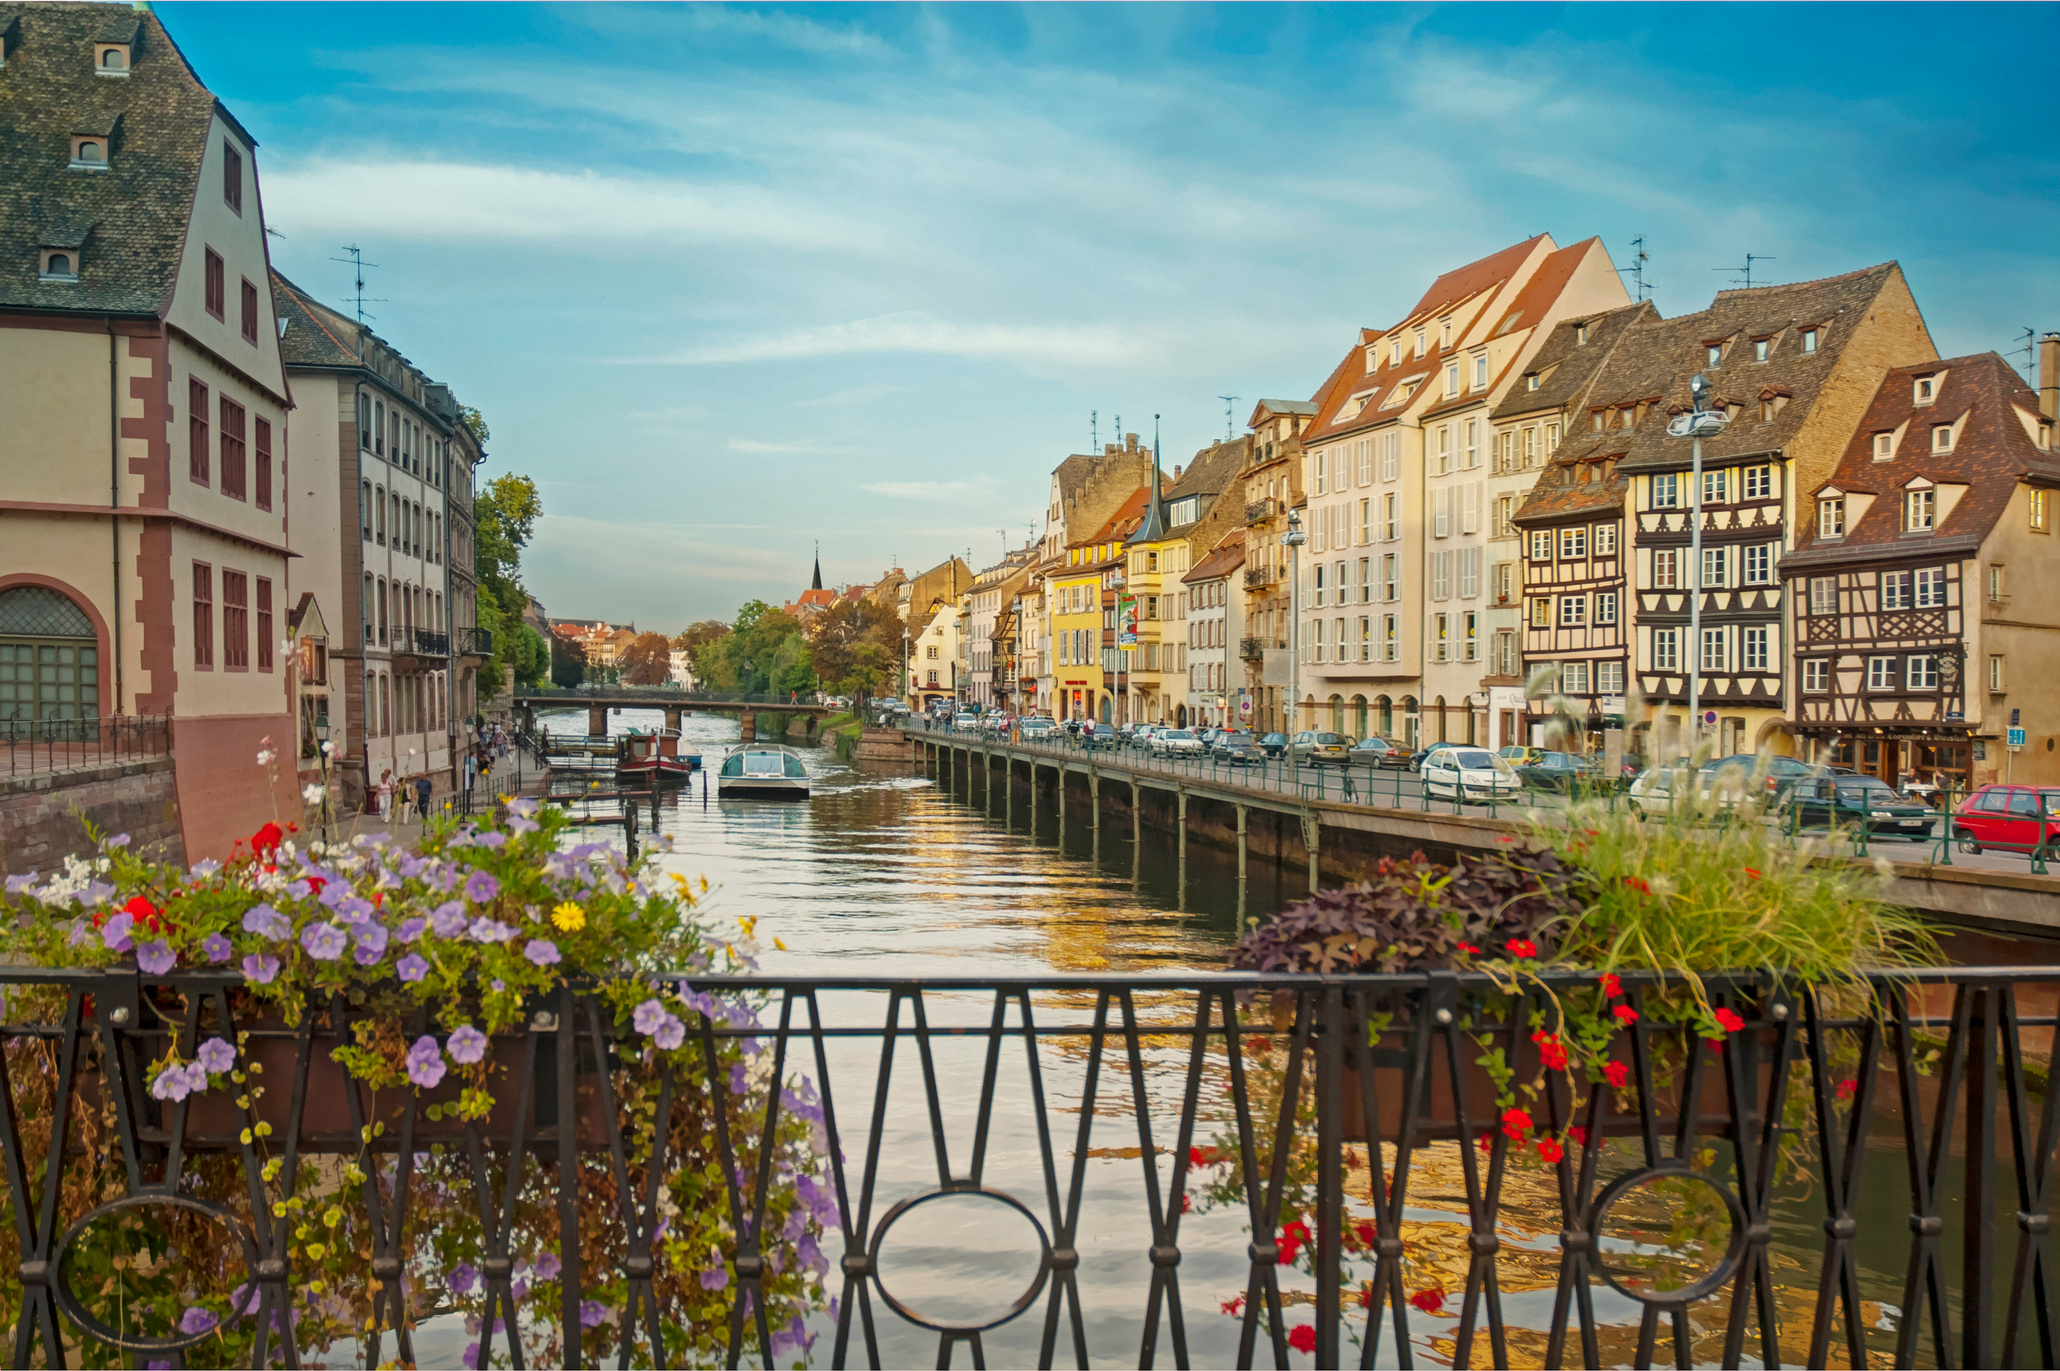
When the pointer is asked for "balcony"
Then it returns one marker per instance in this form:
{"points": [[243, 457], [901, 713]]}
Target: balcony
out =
{"points": [[420, 642], [1259, 509], [476, 642], [1258, 577], [1254, 649]]}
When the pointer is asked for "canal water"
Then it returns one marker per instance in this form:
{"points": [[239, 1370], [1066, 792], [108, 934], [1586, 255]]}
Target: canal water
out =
{"points": [[883, 872]]}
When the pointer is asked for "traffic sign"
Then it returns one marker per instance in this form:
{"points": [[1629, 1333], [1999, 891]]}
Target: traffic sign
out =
{"points": [[2017, 737]]}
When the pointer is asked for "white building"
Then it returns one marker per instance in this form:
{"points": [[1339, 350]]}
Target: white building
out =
{"points": [[933, 660], [1213, 595]]}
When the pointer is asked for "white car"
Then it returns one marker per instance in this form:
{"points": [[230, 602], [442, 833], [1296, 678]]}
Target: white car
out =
{"points": [[965, 723], [1169, 742], [1039, 728], [1469, 773]]}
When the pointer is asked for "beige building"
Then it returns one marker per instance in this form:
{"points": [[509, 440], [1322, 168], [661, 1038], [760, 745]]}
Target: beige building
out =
{"points": [[1272, 481], [145, 483], [1086, 491]]}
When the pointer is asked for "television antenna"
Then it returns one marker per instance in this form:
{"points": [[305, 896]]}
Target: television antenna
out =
{"points": [[1746, 281], [358, 264], [2030, 349], [1636, 271], [1094, 432], [1229, 407]]}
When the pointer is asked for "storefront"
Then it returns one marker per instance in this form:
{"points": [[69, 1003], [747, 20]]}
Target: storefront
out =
{"points": [[1924, 757]]}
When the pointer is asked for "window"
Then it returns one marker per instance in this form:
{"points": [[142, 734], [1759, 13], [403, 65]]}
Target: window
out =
{"points": [[1365, 462], [1541, 546], [1995, 672], [1573, 678], [1716, 572], [58, 265], [1605, 606], [1390, 578], [2035, 506], [1480, 371], [197, 460], [1895, 590], [365, 508], [1753, 649], [1441, 637], [1931, 588], [1921, 672], [1473, 444], [250, 313], [1339, 651], [1505, 510], [1666, 491], [1365, 639], [1666, 649], [1884, 446], [1881, 673], [1441, 575], [1997, 588], [1441, 512], [1365, 522], [89, 154], [1759, 483], [1573, 544], [232, 449], [1451, 379], [1942, 438], [113, 59], [1469, 572], [1319, 586], [1469, 637], [235, 621], [1390, 642], [1391, 446], [203, 616], [379, 503], [216, 286], [1573, 611], [232, 176], [1605, 540], [1388, 532], [1926, 390], [1760, 347], [1918, 509], [1831, 517], [1715, 487], [1716, 654], [1809, 340], [1318, 469], [1714, 354], [1444, 448], [1823, 595], [1609, 678], [1666, 568], [1759, 565], [264, 463]]}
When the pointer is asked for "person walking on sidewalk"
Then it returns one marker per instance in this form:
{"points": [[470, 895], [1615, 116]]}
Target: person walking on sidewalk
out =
{"points": [[382, 796], [422, 789], [471, 774]]}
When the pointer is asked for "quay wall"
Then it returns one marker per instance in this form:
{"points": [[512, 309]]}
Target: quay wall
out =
{"points": [[43, 816]]}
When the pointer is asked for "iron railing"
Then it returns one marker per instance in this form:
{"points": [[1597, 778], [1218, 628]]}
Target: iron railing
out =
{"points": [[1254, 649], [1182, 1161], [1257, 510], [1258, 576], [422, 642], [476, 642], [32, 746]]}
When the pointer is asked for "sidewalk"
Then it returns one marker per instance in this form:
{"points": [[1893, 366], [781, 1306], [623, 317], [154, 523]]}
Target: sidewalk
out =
{"points": [[487, 793]]}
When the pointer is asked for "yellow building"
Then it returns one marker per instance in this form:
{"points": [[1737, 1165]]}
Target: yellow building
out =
{"points": [[1083, 617]]}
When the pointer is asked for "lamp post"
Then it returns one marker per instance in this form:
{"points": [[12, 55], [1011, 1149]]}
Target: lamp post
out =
{"points": [[908, 690], [1697, 424], [1292, 540], [322, 751]]}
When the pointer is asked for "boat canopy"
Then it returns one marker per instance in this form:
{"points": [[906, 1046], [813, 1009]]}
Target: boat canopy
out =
{"points": [[763, 762]]}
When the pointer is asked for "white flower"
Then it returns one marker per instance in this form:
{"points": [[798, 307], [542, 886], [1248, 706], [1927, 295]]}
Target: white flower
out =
{"points": [[265, 757], [328, 749], [312, 793]]}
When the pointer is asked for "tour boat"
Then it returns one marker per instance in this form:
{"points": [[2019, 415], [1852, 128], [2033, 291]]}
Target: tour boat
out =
{"points": [[643, 754], [762, 771]]}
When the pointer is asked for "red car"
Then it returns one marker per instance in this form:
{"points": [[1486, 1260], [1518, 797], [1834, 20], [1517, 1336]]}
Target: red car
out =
{"points": [[2007, 817]]}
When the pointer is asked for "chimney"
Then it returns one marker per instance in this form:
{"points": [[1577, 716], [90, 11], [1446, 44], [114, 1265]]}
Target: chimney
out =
{"points": [[1130, 442], [2049, 375], [1176, 471]]}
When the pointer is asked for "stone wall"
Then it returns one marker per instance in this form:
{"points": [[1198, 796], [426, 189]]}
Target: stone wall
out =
{"points": [[43, 817]]}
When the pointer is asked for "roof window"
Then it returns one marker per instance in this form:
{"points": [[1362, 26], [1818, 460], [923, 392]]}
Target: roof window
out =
{"points": [[1444, 333], [1531, 381], [1884, 446], [1760, 348], [1942, 438], [1714, 354], [1926, 390], [1419, 342], [58, 264], [1580, 335], [111, 59], [1809, 340], [89, 152]]}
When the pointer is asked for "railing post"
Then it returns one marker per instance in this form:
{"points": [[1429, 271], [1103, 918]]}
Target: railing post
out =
{"points": [[1977, 1294], [1330, 1159]]}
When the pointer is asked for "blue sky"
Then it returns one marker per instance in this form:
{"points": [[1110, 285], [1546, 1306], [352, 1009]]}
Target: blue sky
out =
{"points": [[728, 280]]}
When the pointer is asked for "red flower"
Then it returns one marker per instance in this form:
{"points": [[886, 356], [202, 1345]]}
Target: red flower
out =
{"points": [[146, 914], [1730, 1020], [1551, 1051], [1302, 1338], [1549, 1149], [1234, 1306], [315, 884], [1611, 986], [1638, 884], [1617, 1074], [1366, 1296], [1431, 1301], [267, 839], [1294, 1236], [1751, 873], [1469, 949], [1201, 1156], [1187, 1203], [1487, 1141], [292, 827], [1578, 1134], [1515, 1123], [1366, 1233], [1261, 1044], [1847, 1089], [1625, 1014], [1523, 947]]}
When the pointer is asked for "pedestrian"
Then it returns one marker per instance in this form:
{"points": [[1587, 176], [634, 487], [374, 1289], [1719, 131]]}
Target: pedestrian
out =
{"points": [[471, 773], [382, 797], [422, 789]]}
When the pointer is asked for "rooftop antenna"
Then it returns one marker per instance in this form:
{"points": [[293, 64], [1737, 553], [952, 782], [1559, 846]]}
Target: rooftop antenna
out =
{"points": [[1229, 406], [2031, 356], [1636, 271], [1119, 428], [1003, 534], [358, 265], [1094, 431], [1749, 260]]}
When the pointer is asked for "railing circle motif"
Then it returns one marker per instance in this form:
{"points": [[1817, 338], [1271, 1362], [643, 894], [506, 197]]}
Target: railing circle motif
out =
{"points": [[1022, 1301], [1713, 1280], [60, 1284]]}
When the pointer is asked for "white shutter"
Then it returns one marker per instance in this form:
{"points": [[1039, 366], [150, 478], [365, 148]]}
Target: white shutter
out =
{"points": [[1441, 512], [1470, 507]]}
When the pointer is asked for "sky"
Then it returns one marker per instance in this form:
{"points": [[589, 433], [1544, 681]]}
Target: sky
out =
{"points": [[734, 281]]}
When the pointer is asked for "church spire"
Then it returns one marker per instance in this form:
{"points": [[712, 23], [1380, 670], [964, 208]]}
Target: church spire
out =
{"points": [[817, 584]]}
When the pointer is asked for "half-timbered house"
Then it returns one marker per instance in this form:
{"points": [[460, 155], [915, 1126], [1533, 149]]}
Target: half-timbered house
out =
{"points": [[1925, 586]]}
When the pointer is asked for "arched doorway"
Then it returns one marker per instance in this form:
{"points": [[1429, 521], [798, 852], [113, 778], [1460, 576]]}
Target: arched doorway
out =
{"points": [[1359, 716], [1337, 713], [1385, 709], [1106, 711], [1180, 716], [49, 656], [1438, 709], [1305, 717], [1412, 722]]}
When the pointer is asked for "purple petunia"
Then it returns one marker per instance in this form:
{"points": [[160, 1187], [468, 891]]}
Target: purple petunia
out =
{"points": [[467, 1044], [425, 1066], [411, 929], [155, 957], [670, 1034], [115, 932], [715, 1278], [260, 967], [448, 919], [490, 931], [354, 910], [371, 944], [324, 942], [647, 1016], [216, 1056], [480, 887], [542, 951], [592, 1314], [266, 922], [197, 1320], [464, 1279], [217, 948], [412, 967], [547, 1266], [171, 1083]]}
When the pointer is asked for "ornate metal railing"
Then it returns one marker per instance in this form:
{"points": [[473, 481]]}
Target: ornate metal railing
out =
{"points": [[1112, 1144], [1259, 576], [33, 746], [476, 642], [1257, 510]]}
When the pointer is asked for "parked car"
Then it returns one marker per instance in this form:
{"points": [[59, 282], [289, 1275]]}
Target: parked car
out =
{"points": [[1469, 773], [1176, 742], [1099, 737], [1517, 754], [1274, 743], [1231, 737], [1423, 754], [1652, 790], [1038, 728], [1842, 801], [1239, 748], [965, 723], [2009, 818], [1379, 752], [1770, 777], [1565, 773], [1313, 746], [1207, 735]]}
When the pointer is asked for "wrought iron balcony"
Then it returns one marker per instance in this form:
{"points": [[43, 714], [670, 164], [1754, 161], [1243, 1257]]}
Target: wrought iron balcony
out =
{"points": [[421, 642], [1259, 509], [1258, 576], [476, 642], [1253, 649]]}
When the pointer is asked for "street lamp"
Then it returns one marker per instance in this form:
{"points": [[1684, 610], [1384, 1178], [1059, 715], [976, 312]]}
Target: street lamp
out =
{"points": [[1291, 540], [908, 688], [1697, 424], [322, 751]]}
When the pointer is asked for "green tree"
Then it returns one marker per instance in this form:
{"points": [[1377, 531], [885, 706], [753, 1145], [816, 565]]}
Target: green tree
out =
{"points": [[840, 630], [568, 662], [505, 516], [533, 657], [869, 670]]}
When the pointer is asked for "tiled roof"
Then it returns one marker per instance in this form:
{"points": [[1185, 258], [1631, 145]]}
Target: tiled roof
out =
{"points": [[1565, 366], [132, 216], [1214, 469], [1463, 283], [1992, 453], [1121, 524], [315, 335], [1227, 556], [1561, 494]]}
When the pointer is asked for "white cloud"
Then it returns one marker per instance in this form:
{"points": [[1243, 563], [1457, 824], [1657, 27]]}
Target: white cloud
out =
{"points": [[918, 490], [917, 332], [755, 445], [857, 395]]}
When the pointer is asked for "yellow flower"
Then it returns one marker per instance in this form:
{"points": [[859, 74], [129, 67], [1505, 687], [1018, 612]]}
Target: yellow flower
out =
{"points": [[749, 923], [569, 917]]}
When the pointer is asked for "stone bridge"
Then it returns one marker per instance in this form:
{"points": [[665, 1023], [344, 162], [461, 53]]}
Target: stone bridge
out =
{"points": [[677, 704]]}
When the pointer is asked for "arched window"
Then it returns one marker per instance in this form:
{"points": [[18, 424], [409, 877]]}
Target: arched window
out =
{"points": [[368, 613], [382, 612], [1386, 711], [1337, 714], [113, 60], [1439, 710], [1412, 721], [49, 657], [59, 265], [1359, 716], [379, 501], [365, 508], [89, 151]]}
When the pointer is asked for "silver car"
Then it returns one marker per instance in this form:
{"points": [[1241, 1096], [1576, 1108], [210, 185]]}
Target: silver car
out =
{"points": [[1469, 773], [1171, 742]]}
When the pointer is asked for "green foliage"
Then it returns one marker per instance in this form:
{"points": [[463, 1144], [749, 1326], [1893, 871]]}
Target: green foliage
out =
{"points": [[568, 662], [473, 420], [854, 644], [764, 651], [530, 654]]}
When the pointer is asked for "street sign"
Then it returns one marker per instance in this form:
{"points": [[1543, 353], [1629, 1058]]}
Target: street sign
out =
{"points": [[1126, 621], [2017, 737], [1709, 716], [1244, 706]]}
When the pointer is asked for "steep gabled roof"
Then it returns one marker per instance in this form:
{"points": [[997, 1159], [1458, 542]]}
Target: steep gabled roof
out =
{"points": [[1565, 364], [1223, 559], [1121, 524], [1463, 283], [129, 221], [315, 335]]}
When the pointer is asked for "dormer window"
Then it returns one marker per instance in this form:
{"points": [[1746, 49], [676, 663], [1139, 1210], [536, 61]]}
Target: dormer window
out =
{"points": [[1419, 342], [1809, 340], [1831, 516], [1395, 352], [1884, 446], [1452, 380], [1714, 354], [1444, 333], [89, 152], [1942, 438], [2046, 436], [1480, 372], [58, 264], [1531, 381], [1920, 508], [232, 176], [1760, 348], [1926, 389], [111, 59]]}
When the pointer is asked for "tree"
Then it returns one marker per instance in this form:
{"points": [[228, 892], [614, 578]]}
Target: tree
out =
{"points": [[568, 661], [647, 660], [870, 665], [844, 627], [532, 656], [691, 640], [475, 421], [505, 515]]}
